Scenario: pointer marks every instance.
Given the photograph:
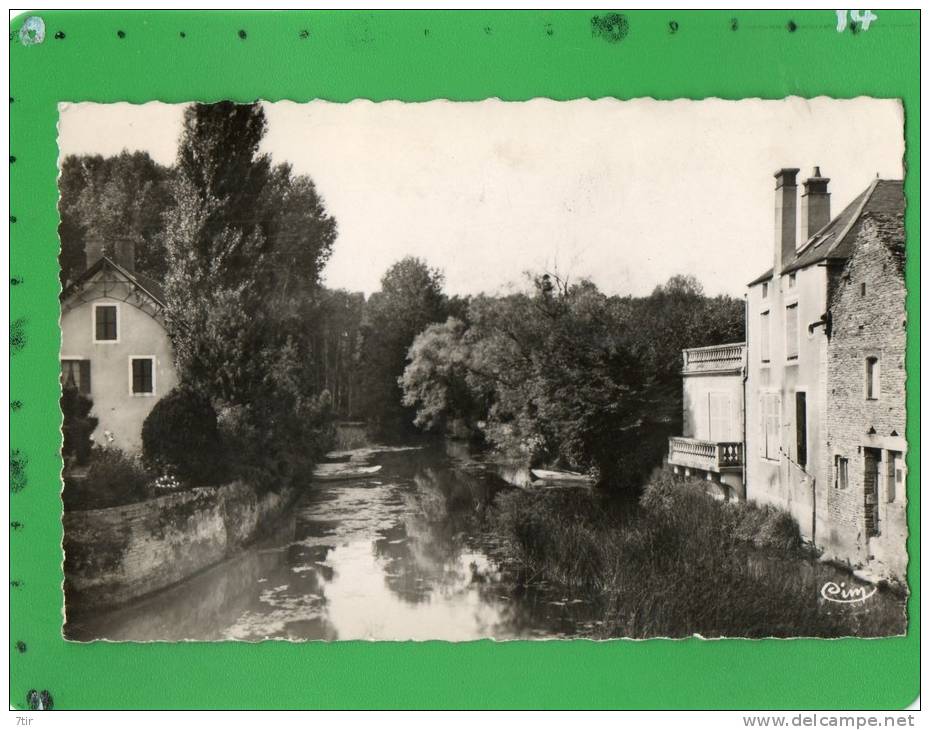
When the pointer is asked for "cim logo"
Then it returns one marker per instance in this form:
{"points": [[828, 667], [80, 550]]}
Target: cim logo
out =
{"points": [[841, 594]]}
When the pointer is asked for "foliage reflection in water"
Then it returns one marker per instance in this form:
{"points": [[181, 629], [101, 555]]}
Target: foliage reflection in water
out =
{"points": [[401, 557]]}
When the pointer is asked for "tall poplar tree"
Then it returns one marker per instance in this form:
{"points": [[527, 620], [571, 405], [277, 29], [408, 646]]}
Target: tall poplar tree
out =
{"points": [[233, 251]]}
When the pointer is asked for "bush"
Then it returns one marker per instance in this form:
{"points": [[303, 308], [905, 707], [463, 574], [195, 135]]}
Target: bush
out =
{"points": [[180, 435], [275, 444], [77, 427], [113, 479], [682, 563]]}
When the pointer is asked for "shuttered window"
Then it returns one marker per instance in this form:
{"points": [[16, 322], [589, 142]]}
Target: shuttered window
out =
{"points": [[143, 376], [894, 481], [771, 425], [791, 331], [841, 472], [76, 374]]}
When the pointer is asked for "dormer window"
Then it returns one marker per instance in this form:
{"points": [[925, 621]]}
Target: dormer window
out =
{"points": [[106, 323]]}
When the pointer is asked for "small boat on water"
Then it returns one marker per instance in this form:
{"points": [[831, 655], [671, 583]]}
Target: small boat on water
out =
{"points": [[342, 471], [551, 476]]}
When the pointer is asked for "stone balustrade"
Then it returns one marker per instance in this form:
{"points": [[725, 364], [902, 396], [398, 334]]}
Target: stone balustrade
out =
{"points": [[716, 358], [712, 456]]}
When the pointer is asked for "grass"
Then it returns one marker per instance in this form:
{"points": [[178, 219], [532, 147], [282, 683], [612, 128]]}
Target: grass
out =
{"points": [[681, 563]]}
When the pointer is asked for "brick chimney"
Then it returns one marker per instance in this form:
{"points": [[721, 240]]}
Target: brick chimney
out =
{"points": [[815, 204], [786, 217]]}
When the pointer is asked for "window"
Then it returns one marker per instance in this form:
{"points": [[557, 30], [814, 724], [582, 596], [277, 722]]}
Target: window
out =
{"points": [[142, 370], [862, 289], [841, 472], [771, 425], [792, 280], [76, 374], [894, 482], [718, 407], [791, 331], [872, 378], [800, 424], [106, 323], [765, 290], [764, 336]]}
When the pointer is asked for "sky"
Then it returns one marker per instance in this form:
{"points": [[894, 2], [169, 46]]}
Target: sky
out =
{"points": [[626, 193]]}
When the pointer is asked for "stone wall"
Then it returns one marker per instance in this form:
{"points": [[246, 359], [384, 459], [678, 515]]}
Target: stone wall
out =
{"points": [[118, 554], [868, 322]]}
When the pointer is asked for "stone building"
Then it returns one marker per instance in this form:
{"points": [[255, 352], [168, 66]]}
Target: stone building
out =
{"points": [[114, 346], [822, 377], [866, 499], [814, 368]]}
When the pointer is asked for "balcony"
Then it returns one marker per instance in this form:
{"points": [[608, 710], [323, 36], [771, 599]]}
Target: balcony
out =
{"points": [[711, 456], [714, 359]]}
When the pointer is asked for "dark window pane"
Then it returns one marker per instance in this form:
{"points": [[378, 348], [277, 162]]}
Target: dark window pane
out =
{"points": [[801, 427], [142, 375], [106, 323]]}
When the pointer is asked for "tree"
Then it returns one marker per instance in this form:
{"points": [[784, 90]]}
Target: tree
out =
{"points": [[566, 375], [438, 380], [410, 298], [239, 279], [107, 200], [336, 326]]}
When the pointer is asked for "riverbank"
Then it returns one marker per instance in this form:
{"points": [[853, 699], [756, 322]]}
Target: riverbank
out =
{"points": [[118, 554], [680, 563]]}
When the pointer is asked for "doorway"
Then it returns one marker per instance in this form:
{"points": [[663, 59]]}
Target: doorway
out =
{"points": [[872, 469]]}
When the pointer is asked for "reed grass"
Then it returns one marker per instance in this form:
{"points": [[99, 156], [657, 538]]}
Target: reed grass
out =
{"points": [[680, 563]]}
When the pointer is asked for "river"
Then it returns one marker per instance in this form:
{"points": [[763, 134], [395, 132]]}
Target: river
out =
{"points": [[399, 556], [405, 554]]}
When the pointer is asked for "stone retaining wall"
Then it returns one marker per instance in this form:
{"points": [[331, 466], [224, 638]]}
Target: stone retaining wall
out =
{"points": [[118, 554]]}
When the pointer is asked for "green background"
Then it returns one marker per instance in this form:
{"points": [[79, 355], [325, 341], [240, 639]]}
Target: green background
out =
{"points": [[417, 56]]}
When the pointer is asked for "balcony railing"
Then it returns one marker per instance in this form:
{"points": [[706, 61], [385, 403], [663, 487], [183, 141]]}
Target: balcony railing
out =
{"points": [[713, 456], [716, 358]]}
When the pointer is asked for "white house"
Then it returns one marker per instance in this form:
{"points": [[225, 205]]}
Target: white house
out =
{"points": [[114, 346]]}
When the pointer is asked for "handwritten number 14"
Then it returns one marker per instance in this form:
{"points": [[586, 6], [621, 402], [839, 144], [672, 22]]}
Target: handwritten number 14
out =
{"points": [[863, 18]]}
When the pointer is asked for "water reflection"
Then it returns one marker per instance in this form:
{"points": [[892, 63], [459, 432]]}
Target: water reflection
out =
{"points": [[395, 558]]}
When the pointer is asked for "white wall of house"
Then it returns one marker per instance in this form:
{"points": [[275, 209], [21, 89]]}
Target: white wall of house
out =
{"points": [[140, 334], [713, 407], [783, 364]]}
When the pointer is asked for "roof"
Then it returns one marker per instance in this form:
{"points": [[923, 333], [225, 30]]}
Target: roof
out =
{"points": [[835, 241], [142, 282]]}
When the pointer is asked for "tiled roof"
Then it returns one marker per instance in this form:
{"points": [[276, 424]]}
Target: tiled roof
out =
{"points": [[835, 240]]}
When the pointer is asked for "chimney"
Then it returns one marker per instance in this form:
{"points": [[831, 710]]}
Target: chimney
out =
{"points": [[815, 204], [786, 217], [93, 252], [125, 254]]}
